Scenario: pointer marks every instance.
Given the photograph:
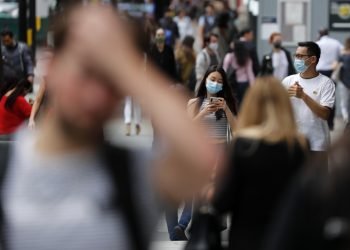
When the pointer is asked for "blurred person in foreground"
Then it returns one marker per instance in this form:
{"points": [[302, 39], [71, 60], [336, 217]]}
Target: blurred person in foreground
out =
{"points": [[17, 61], [14, 108], [64, 187], [267, 152], [240, 61], [279, 61], [315, 213], [313, 96]]}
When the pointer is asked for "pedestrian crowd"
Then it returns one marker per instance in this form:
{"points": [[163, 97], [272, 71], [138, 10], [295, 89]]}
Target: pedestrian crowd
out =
{"points": [[239, 143]]}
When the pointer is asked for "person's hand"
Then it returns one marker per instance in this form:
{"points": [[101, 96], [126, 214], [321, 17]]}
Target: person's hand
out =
{"points": [[208, 109], [296, 91], [221, 104], [30, 79], [31, 124]]}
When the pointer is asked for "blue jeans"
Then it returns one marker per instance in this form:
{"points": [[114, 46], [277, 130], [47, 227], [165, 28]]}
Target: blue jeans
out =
{"points": [[172, 220]]}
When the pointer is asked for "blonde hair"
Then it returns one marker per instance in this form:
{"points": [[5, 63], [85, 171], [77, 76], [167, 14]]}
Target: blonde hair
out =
{"points": [[267, 110]]}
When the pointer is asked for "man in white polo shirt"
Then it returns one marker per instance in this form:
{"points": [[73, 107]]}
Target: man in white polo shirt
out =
{"points": [[312, 96]]}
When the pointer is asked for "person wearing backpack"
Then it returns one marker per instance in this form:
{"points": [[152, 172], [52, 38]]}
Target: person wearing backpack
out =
{"points": [[206, 22], [209, 56], [240, 62], [17, 61]]}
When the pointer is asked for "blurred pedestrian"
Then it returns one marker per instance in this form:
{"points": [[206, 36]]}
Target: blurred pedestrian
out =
{"points": [[330, 52], [171, 30], [184, 23], [343, 67], [312, 95], [240, 61], [14, 108], [186, 61], [206, 22], [162, 55], [64, 186], [315, 211], [208, 56], [247, 37], [266, 154], [279, 61], [17, 61]]}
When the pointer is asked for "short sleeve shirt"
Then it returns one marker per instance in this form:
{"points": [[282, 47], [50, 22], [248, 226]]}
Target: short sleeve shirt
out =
{"points": [[322, 90]]}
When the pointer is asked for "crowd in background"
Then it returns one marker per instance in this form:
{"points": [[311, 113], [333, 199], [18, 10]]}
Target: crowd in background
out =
{"points": [[266, 120]]}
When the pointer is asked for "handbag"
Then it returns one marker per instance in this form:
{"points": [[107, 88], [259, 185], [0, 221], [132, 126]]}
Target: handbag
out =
{"points": [[205, 232]]}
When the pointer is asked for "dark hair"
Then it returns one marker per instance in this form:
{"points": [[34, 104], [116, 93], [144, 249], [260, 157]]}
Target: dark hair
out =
{"points": [[7, 33], [241, 53], [245, 31], [188, 41], [207, 37], [226, 93], [222, 20], [19, 86], [312, 49], [323, 32]]}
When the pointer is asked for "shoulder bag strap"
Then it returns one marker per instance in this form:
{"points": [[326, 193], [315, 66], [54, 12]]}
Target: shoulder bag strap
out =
{"points": [[119, 165]]}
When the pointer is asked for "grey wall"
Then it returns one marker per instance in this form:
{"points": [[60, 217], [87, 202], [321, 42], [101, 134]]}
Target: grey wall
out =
{"points": [[319, 18]]}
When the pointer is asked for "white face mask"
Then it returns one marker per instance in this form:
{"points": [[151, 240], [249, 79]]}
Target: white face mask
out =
{"points": [[214, 46]]}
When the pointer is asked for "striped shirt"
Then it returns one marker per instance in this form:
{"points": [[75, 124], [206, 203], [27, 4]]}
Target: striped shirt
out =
{"points": [[217, 128]]}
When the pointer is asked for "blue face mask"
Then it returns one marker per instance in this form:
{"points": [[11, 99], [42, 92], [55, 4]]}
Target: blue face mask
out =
{"points": [[213, 87], [300, 65]]}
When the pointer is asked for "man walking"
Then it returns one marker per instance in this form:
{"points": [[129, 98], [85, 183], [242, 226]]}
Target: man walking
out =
{"points": [[312, 96], [17, 60]]}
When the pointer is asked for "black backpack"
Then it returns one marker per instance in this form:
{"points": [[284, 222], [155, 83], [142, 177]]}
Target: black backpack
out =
{"points": [[118, 164]]}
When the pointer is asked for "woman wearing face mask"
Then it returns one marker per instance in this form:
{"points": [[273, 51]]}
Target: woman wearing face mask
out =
{"points": [[207, 57], [214, 105], [278, 62]]}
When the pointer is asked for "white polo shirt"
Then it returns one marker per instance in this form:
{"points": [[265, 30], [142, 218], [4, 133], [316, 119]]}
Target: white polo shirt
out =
{"points": [[330, 52], [322, 90]]}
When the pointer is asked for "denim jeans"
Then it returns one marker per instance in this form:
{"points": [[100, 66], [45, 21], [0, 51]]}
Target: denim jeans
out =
{"points": [[172, 220]]}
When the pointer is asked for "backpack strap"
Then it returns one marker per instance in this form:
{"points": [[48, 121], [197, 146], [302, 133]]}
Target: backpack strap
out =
{"points": [[119, 165]]}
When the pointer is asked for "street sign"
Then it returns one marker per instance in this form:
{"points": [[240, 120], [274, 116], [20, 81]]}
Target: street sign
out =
{"points": [[339, 16]]}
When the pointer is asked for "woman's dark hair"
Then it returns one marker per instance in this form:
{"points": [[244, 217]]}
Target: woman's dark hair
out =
{"points": [[19, 87], [226, 93], [241, 53]]}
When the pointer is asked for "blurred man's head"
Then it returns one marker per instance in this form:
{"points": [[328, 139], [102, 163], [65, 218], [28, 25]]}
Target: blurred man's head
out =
{"points": [[323, 32], [7, 38], [82, 97], [209, 10], [160, 36]]}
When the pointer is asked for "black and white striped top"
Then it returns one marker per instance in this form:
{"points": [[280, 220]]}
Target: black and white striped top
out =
{"points": [[217, 128]]}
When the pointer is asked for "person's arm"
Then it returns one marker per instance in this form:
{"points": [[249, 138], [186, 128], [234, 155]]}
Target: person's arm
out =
{"points": [[250, 73], [201, 66], [28, 62], [37, 104], [320, 110], [232, 120], [227, 61]]}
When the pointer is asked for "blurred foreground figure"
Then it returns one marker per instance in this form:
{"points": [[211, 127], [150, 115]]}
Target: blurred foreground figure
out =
{"points": [[63, 186], [267, 152], [316, 212]]}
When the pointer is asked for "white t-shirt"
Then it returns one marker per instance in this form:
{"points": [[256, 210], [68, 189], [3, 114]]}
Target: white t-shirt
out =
{"points": [[280, 64], [330, 52], [322, 90]]}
